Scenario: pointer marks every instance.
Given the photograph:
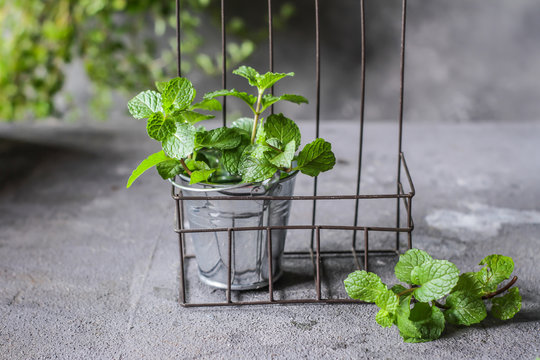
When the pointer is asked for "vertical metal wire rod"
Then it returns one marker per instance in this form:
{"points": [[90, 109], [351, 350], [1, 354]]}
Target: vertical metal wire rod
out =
{"points": [[178, 57], [229, 264], [270, 266], [318, 264], [317, 105], [223, 63], [366, 249], [271, 47], [180, 203], [401, 99], [362, 107]]}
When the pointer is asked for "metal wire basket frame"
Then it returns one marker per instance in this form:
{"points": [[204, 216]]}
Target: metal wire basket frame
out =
{"points": [[403, 197]]}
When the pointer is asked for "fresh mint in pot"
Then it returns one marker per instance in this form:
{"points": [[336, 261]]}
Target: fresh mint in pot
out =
{"points": [[251, 150]]}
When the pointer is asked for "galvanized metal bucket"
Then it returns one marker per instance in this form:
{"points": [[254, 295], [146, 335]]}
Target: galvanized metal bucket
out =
{"points": [[249, 260]]}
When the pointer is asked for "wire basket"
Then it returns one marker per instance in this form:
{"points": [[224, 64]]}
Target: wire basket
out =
{"points": [[315, 252]]}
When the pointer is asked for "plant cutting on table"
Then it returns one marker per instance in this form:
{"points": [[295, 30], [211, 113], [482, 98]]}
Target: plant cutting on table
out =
{"points": [[431, 280], [251, 150]]}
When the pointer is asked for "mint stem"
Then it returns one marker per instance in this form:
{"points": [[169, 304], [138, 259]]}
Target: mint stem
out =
{"points": [[185, 166], [501, 290], [405, 292], [256, 118]]}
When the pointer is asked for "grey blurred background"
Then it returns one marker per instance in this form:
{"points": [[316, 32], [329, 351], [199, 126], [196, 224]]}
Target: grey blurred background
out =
{"points": [[466, 60]]}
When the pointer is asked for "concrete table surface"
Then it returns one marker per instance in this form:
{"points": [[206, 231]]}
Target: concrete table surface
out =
{"points": [[89, 270]]}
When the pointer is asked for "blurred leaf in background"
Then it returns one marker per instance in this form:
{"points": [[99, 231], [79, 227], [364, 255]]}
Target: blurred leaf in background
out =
{"points": [[124, 46]]}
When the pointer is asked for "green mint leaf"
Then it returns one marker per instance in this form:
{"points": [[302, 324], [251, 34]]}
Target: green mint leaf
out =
{"points": [[396, 289], [200, 175], [465, 308], [497, 269], [315, 158], [249, 73], [207, 104], [388, 301], [284, 159], [231, 158], [180, 144], [436, 277], [220, 138], [146, 164], [268, 100], [260, 136], [469, 283], [169, 168], [269, 79], [275, 143], [145, 104], [245, 124], [159, 128], [408, 261], [190, 117], [178, 94], [421, 324], [161, 85], [196, 165], [508, 305], [283, 129], [384, 318], [255, 169], [365, 286], [248, 99]]}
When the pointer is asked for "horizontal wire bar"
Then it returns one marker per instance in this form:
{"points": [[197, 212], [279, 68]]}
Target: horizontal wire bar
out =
{"points": [[295, 227], [277, 302]]}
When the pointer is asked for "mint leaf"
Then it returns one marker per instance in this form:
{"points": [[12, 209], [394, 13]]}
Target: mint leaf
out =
{"points": [[408, 261], [316, 157], [244, 123], [161, 85], [268, 100], [169, 168], [249, 73], [190, 117], [207, 104], [200, 175], [269, 79], [231, 158], [421, 324], [159, 128], [465, 308], [388, 302], [469, 283], [508, 305], [284, 159], [436, 277], [145, 104], [384, 318], [497, 269], [196, 165], [146, 164], [220, 138], [180, 144], [178, 94], [248, 99], [365, 286], [255, 169], [282, 128]]}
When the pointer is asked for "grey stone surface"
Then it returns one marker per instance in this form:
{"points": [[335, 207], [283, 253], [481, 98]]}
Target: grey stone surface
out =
{"points": [[89, 270]]}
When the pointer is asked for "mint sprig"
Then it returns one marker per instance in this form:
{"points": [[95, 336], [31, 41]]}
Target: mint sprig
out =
{"points": [[431, 280], [251, 150]]}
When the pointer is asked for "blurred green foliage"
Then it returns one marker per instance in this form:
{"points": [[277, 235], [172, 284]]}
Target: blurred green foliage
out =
{"points": [[124, 45]]}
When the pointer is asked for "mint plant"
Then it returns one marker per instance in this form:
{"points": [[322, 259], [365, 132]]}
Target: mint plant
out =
{"points": [[251, 150], [429, 281]]}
